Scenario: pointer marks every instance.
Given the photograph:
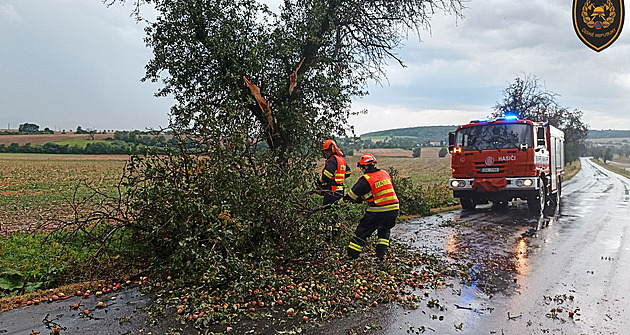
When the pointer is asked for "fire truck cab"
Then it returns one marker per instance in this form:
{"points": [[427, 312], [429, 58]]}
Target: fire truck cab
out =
{"points": [[503, 159]]}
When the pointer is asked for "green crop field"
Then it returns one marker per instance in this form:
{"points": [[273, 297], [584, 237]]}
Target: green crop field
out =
{"points": [[79, 142]]}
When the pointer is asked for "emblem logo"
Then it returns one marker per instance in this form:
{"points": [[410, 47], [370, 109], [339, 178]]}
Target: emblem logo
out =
{"points": [[598, 23], [489, 161]]}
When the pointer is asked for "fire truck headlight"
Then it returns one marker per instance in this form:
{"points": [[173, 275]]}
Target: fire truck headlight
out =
{"points": [[458, 183], [527, 182]]}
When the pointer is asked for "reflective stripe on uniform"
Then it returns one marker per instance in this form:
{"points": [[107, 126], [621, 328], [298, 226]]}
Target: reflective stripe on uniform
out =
{"points": [[384, 192], [328, 174], [380, 200], [383, 241], [355, 246], [352, 195], [385, 208]]}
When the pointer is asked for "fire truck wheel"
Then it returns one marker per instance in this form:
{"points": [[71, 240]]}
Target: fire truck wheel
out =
{"points": [[538, 201], [467, 203]]}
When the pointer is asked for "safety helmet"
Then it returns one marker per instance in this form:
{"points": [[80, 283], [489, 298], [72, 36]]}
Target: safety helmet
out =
{"points": [[329, 144], [366, 159]]}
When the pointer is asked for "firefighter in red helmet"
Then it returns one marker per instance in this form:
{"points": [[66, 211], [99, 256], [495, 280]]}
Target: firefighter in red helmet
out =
{"points": [[333, 174], [375, 187], [331, 181]]}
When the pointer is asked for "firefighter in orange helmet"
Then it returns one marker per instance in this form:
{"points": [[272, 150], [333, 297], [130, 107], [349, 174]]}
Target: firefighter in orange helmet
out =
{"points": [[333, 174], [375, 187]]}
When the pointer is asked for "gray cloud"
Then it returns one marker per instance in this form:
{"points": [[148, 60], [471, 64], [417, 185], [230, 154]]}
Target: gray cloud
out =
{"points": [[464, 65], [67, 63], [70, 63]]}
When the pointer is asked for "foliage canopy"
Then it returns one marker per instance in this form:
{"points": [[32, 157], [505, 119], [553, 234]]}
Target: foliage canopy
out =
{"points": [[308, 60]]}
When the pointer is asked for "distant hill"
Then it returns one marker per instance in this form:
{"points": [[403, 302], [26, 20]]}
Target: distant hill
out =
{"points": [[423, 134], [610, 133], [440, 133]]}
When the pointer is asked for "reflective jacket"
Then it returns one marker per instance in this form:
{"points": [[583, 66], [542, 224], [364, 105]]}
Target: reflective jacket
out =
{"points": [[382, 197], [376, 188], [334, 179]]}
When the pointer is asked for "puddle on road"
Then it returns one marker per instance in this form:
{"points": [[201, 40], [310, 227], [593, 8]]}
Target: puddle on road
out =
{"points": [[122, 312]]}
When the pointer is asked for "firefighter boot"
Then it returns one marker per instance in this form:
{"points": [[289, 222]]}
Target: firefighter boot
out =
{"points": [[355, 247], [381, 248]]}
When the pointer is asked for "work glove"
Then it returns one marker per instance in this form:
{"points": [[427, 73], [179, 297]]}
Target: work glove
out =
{"points": [[337, 203]]}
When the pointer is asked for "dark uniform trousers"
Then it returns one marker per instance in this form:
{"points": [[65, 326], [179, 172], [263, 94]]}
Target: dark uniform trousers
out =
{"points": [[333, 225], [372, 221]]}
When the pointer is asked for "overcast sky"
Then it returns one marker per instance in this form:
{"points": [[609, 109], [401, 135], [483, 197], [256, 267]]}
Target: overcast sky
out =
{"points": [[65, 63]]}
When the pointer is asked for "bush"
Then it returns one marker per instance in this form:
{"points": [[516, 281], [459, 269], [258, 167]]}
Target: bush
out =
{"points": [[221, 225], [411, 195]]}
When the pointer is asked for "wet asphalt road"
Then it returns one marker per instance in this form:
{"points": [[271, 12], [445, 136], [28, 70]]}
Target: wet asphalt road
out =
{"points": [[567, 272], [122, 314]]}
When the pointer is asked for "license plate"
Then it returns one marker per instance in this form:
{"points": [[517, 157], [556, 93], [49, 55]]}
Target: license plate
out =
{"points": [[492, 169]]}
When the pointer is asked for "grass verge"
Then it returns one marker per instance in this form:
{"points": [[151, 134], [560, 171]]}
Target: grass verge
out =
{"points": [[571, 169], [36, 261], [612, 168]]}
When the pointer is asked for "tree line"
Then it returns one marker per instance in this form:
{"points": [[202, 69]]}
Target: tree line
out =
{"points": [[123, 143], [608, 151]]}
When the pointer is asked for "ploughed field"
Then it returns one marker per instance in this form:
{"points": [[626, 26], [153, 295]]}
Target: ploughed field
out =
{"points": [[45, 138], [34, 187]]}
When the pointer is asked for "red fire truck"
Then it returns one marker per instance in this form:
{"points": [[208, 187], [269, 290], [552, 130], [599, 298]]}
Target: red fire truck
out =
{"points": [[507, 158]]}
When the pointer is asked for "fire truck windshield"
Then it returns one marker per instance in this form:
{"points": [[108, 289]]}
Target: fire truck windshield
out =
{"points": [[489, 136]]}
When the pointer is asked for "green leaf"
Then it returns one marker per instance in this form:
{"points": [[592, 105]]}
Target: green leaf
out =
{"points": [[11, 281], [32, 287]]}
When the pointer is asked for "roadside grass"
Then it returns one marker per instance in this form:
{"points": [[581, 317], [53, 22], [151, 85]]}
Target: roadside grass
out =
{"points": [[33, 261], [615, 169], [34, 187], [571, 169]]}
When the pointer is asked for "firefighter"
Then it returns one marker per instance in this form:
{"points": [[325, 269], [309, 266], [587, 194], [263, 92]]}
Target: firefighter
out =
{"points": [[375, 187], [333, 174], [331, 181]]}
